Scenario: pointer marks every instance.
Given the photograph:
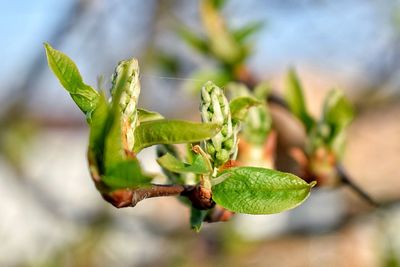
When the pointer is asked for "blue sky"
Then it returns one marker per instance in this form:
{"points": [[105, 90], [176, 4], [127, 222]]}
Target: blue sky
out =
{"points": [[341, 36], [23, 28]]}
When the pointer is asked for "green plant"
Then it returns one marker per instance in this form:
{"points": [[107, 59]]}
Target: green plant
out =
{"points": [[325, 137], [320, 159], [119, 130]]}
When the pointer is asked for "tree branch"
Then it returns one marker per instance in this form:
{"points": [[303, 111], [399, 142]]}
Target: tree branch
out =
{"points": [[346, 179], [128, 197]]}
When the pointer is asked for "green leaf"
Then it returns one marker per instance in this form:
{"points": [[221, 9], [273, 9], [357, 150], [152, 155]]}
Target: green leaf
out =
{"points": [[146, 115], [125, 174], [173, 164], [114, 151], [254, 190], [113, 146], [221, 42], [193, 40], [218, 3], [295, 99], [338, 112], [172, 132], [68, 75], [97, 129], [246, 31], [337, 115], [239, 106], [197, 218]]}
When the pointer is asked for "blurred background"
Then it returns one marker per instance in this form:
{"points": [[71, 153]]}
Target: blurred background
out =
{"points": [[50, 211]]}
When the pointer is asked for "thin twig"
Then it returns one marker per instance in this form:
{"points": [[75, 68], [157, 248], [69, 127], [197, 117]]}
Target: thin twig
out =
{"points": [[346, 179], [156, 191], [128, 197]]}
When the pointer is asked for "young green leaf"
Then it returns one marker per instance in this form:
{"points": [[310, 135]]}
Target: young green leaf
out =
{"points": [[247, 30], [254, 190], [68, 75], [218, 3], [113, 138], [173, 164], [172, 132], [239, 106], [338, 112], [97, 129], [125, 174], [295, 99], [221, 42], [337, 115], [193, 40], [106, 138], [113, 143], [197, 218], [146, 115]]}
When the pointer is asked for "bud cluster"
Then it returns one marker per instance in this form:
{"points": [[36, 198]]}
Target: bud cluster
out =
{"points": [[127, 74], [215, 109]]}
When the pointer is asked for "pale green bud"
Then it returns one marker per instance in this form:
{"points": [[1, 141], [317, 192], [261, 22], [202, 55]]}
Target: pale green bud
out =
{"points": [[126, 76], [222, 156], [215, 109]]}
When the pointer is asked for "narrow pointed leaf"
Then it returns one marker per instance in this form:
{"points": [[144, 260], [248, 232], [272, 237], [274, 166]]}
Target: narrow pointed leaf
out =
{"points": [[246, 31], [218, 3], [240, 106], [146, 115], [193, 40], [173, 164], [222, 44], [255, 190], [115, 142], [68, 75], [338, 111], [97, 129], [172, 132], [295, 99]]}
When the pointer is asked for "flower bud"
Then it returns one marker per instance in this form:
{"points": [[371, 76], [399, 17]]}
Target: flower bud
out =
{"points": [[215, 109], [126, 76]]}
